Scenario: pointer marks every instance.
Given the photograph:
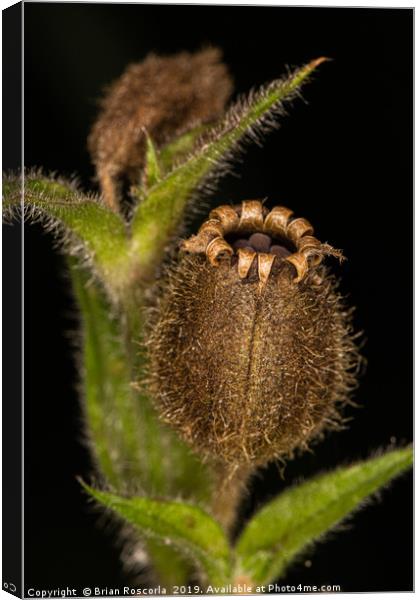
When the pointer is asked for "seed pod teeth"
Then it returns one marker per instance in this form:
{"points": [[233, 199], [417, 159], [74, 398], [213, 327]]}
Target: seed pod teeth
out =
{"points": [[245, 260], [252, 218], [299, 228], [310, 246], [250, 229], [218, 249], [265, 262], [227, 216], [196, 244], [301, 265], [277, 220]]}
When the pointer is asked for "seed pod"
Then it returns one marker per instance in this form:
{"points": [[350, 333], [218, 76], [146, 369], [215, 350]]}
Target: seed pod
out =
{"points": [[252, 354], [163, 95]]}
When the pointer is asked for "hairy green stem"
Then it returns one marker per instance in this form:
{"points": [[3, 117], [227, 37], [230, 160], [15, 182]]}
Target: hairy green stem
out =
{"points": [[227, 494]]}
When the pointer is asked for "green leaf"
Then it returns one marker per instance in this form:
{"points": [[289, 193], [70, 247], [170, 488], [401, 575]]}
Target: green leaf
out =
{"points": [[134, 450], [171, 568], [188, 528], [80, 218], [110, 407], [177, 150], [286, 526], [152, 170], [158, 217]]}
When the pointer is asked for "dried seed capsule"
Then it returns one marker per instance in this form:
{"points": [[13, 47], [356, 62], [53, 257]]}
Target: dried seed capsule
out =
{"points": [[163, 95], [252, 354]]}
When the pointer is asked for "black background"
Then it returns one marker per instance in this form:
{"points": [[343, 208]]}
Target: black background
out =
{"points": [[343, 160]]}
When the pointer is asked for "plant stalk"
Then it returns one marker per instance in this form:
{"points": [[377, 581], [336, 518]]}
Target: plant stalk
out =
{"points": [[229, 489]]}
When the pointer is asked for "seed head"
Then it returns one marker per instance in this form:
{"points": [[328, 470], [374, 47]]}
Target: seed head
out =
{"points": [[163, 95], [252, 355]]}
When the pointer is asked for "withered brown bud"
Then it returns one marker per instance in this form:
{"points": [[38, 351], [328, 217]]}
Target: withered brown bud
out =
{"points": [[161, 95], [252, 355]]}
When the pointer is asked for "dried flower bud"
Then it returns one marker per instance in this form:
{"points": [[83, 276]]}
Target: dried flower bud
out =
{"points": [[161, 95], [252, 354]]}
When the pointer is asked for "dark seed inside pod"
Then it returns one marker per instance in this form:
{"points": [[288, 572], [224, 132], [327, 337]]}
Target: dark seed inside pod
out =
{"points": [[280, 251], [242, 243], [260, 242]]}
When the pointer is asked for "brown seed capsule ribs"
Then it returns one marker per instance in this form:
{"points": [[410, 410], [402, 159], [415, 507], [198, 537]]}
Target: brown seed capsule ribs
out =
{"points": [[252, 353]]}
